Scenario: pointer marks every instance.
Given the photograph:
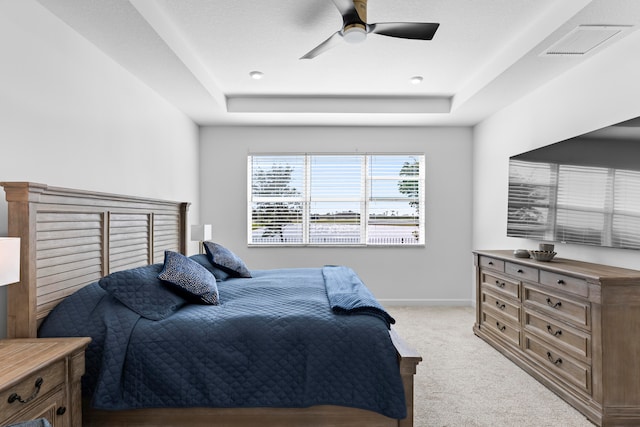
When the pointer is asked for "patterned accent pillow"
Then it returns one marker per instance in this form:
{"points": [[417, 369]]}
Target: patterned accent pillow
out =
{"points": [[226, 260], [140, 290], [189, 276], [203, 260]]}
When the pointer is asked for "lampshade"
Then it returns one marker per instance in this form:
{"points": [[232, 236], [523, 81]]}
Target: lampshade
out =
{"points": [[201, 233], [9, 260]]}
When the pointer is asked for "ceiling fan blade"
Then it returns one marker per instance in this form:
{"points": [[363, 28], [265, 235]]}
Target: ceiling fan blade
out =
{"points": [[348, 11], [405, 30], [332, 41]]}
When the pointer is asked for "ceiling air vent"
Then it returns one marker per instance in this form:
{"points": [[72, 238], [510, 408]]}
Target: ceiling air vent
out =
{"points": [[583, 39]]}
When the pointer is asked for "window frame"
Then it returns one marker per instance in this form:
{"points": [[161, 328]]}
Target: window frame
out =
{"points": [[365, 200]]}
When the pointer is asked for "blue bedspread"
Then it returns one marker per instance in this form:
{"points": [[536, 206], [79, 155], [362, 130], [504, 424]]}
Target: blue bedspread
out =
{"points": [[274, 341]]}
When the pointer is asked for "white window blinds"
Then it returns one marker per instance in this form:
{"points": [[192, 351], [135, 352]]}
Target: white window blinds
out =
{"points": [[328, 199]]}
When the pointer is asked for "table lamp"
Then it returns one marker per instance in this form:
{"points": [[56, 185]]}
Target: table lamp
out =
{"points": [[201, 233], [9, 260]]}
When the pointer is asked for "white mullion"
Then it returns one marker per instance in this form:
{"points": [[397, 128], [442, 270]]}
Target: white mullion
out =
{"points": [[364, 199], [306, 204]]}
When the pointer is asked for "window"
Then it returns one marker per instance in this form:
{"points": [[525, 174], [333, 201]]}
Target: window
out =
{"points": [[336, 199]]}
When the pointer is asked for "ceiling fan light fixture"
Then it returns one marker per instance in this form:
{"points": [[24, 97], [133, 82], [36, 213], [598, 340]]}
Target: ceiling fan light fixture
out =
{"points": [[416, 80], [355, 34], [256, 75]]}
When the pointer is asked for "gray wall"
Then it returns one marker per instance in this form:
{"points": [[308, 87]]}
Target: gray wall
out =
{"points": [[71, 117], [435, 274], [600, 92]]}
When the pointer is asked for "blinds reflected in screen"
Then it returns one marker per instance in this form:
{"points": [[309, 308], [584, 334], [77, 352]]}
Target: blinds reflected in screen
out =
{"points": [[626, 205], [531, 199], [584, 204], [574, 204]]}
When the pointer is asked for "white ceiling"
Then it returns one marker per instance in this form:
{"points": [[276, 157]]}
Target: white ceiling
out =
{"points": [[198, 55]]}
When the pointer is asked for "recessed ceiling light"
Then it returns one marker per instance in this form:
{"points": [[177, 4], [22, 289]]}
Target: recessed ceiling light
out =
{"points": [[416, 80], [256, 75]]}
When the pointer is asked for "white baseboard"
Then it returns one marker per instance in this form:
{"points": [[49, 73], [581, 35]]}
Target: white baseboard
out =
{"points": [[427, 302]]}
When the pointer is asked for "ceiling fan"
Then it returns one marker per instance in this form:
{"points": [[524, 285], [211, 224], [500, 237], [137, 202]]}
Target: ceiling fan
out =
{"points": [[355, 28]]}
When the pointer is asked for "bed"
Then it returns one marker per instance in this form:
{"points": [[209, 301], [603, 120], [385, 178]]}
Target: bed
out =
{"points": [[73, 238]]}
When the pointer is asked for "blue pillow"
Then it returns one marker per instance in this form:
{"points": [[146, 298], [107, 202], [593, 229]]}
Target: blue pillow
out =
{"points": [[140, 290], [203, 260], [190, 277], [226, 260]]}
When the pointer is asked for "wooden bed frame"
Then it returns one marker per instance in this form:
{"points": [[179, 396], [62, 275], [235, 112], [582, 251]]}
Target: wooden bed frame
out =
{"points": [[71, 238]]}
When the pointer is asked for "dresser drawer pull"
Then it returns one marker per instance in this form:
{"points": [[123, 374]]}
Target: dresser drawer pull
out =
{"points": [[490, 263], [16, 396], [558, 361], [519, 271], [551, 304], [500, 327], [500, 305], [552, 332], [499, 284], [61, 410], [560, 282]]}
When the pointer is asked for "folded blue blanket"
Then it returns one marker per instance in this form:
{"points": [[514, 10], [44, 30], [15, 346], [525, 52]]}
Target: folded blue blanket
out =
{"points": [[348, 295]]}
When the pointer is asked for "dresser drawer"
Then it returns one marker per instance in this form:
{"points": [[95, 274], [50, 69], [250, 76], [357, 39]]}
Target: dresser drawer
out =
{"points": [[500, 284], [574, 311], [32, 389], [508, 309], [492, 263], [498, 326], [522, 272], [564, 283], [559, 363], [571, 340]]}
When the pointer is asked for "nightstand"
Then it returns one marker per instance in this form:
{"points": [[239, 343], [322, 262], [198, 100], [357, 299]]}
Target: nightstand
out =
{"points": [[40, 378]]}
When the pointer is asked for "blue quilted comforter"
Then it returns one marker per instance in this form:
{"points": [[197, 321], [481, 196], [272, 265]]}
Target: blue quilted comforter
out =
{"points": [[279, 339]]}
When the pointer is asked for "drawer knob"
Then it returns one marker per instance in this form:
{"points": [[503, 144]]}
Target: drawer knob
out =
{"points": [[499, 284], [16, 397], [558, 361], [500, 305], [500, 327], [551, 304], [552, 332], [61, 410], [490, 263], [560, 282], [519, 271]]}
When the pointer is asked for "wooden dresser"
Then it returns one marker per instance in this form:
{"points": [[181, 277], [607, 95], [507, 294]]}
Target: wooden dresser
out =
{"points": [[574, 326], [40, 378]]}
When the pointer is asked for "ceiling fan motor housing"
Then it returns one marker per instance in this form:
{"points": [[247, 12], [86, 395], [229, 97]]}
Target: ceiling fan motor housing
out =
{"points": [[354, 34]]}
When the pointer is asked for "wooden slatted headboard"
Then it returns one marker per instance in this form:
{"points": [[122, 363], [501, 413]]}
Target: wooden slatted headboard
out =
{"points": [[71, 238]]}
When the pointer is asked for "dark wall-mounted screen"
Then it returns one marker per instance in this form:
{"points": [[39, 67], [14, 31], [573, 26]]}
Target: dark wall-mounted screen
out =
{"points": [[583, 190]]}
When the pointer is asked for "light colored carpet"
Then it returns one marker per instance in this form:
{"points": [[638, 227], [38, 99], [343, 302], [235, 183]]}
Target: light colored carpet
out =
{"points": [[463, 381]]}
